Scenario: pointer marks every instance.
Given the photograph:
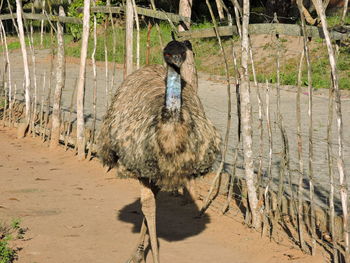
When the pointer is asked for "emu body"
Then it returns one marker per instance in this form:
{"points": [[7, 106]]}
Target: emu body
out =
{"points": [[156, 131]]}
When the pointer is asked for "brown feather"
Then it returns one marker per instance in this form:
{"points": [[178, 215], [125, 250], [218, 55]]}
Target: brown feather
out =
{"points": [[140, 138]]}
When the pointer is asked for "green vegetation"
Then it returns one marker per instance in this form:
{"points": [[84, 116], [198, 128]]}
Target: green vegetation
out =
{"points": [[335, 20], [207, 52], [76, 30], [8, 233]]}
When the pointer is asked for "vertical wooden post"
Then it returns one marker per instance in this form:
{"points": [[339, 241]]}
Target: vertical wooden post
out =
{"points": [[247, 121], [188, 68], [113, 53], [310, 163], [94, 94], [34, 94], [331, 174], [41, 115], [267, 210], [81, 82], [25, 58], [60, 79], [137, 35], [340, 158], [345, 10], [42, 24], [129, 38], [300, 158], [220, 9], [106, 67], [7, 65], [217, 178]]}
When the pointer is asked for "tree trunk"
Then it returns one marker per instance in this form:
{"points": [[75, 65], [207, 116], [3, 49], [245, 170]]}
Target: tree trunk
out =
{"points": [[81, 82], [25, 58], [188, 68], [60, 79], [247, 121], [129, 38]]}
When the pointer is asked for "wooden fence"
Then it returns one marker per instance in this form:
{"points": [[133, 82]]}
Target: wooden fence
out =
{"points": [[283, 201]]}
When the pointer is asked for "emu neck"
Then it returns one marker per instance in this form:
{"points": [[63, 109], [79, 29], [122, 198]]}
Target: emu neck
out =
{"points": [[173, 90]]}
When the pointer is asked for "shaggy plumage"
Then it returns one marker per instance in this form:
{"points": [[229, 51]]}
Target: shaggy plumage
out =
{"points": [[156, 131], [145, 140]]}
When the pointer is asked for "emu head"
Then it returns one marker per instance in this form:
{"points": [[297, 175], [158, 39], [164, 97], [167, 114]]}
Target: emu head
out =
{"points": [[175, 53]]}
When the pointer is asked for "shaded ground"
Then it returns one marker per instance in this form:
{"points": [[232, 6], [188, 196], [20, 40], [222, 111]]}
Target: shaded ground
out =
{"points": [[76, 213]]}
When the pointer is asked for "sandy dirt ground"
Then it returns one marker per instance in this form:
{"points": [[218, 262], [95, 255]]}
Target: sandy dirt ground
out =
{"points": [[213, 93], [75, 212]]}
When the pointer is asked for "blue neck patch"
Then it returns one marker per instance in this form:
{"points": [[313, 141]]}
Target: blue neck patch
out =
{"points": [[173, 90]]}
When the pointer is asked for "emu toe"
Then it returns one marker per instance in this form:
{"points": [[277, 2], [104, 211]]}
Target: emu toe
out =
{"points": [[138, 257]]}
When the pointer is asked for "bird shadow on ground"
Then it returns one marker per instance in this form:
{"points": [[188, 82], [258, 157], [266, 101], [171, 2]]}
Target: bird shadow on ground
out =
{"points": [[175, 220]]}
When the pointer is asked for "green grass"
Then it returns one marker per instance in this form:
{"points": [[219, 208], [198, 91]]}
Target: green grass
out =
{"points": [[336, 19], [208, 55], [9, 232]]}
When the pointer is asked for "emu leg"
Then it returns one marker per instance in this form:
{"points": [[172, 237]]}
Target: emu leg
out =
{"points": [[138, 255], [148, 207]]}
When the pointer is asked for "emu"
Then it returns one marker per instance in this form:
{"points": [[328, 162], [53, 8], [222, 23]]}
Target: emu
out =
{"points": [[156, 131]]}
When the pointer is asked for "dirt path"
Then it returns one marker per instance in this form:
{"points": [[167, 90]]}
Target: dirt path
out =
{"points": [[212, 91], [75, 212]]}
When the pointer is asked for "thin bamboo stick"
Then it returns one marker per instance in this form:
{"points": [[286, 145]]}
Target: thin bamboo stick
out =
{"points": [[69, 122], [188, 68], [235, 155], [42, 24], [260, 116], [129, 38], [113, 50], [280, 125], [14, 101], [157, 26], [34, 101], [4, 64], [137, 35], [345, 10], [81, 82], [340, 158], [48, 95], [7, 66], [94, 98], [25, 59], [12, 17], [3, 74], [267, 210], [5, 105], [148, 46], [310, 144], [238, 15], [311, 153], [215, 184], [41, 116], [106, 68], [226, 206], [300, 158], [331, 174]]}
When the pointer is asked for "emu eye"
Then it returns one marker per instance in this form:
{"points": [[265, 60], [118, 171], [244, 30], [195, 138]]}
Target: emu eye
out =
{"points": [[167, 55]]}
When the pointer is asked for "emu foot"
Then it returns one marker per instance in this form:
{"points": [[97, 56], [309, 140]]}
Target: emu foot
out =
{"points": [[138, 256]]}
